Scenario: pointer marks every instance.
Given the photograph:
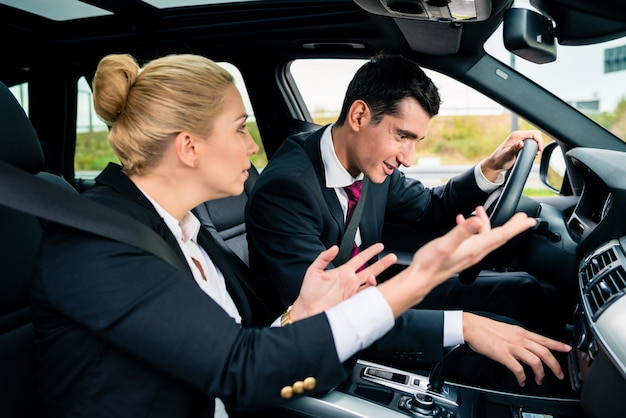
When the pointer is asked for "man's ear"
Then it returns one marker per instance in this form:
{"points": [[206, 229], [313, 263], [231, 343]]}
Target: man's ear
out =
{"points": [[185, 149], [358, 115]]}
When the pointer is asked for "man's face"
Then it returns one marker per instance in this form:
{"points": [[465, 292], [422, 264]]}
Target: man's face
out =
{"points": [[382, 148]]}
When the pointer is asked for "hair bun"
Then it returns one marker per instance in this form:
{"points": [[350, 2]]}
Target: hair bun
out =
{"points": [[115, 76]]}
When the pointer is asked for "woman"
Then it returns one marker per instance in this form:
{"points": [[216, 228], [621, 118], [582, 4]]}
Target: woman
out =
{"points": [[119, 332]]}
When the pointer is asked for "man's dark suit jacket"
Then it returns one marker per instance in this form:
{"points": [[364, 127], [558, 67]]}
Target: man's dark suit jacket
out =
{"points": [[291, 217], [120, 332]]}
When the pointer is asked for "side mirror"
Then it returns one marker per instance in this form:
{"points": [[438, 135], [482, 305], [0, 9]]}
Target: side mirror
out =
{"points": [[529, 35], [552, 167]]}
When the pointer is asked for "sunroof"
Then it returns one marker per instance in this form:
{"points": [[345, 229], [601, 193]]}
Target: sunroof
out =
{"points": [[75, 9], [57, 9]]}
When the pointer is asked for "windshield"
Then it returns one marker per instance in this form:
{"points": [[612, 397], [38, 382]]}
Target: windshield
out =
{"points": [[590, 78]]}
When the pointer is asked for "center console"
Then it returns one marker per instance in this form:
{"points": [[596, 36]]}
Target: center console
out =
{"points": [[380, 391]]}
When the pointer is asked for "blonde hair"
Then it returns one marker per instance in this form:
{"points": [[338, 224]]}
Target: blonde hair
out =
{"points": [[146, 108]]}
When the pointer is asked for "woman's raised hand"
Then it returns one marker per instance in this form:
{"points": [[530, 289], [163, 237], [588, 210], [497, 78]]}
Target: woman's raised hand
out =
{"points": [[323, 289]]}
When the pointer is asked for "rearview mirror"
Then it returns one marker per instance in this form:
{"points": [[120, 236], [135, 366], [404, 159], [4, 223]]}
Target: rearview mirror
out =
{"points": [[529, 35]]}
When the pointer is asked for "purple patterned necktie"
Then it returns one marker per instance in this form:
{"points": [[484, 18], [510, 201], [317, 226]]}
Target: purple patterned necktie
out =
{"points": [[354, 193]]}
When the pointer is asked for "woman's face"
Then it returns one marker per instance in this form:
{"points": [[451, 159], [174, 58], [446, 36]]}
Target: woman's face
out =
{"points": [[225, 158]]}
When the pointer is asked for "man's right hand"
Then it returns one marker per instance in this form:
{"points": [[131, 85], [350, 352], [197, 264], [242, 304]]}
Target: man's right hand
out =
{"points": [[512, 345]]}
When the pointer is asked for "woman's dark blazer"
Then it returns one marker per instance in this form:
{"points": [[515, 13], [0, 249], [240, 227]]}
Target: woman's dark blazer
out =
{"points": [[120, 332]]}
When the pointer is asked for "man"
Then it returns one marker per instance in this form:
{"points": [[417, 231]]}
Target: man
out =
{"points": [[299, 206]]}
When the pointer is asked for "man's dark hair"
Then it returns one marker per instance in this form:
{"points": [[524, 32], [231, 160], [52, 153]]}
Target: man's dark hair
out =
{"points": [[386, 80]]}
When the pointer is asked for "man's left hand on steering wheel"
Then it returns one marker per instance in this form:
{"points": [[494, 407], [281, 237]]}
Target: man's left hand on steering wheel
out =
{"points": [[503, 158]]}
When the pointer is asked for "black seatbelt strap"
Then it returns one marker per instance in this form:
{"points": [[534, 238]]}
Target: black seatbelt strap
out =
{"points": [[27, 193], [347, 241]]}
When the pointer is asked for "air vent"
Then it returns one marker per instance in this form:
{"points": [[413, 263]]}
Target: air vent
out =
{"points": [[603, 279], [605, 290], [596, 263]]}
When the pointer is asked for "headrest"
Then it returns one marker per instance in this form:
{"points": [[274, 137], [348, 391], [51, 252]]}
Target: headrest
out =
{"points": [[19, 145]]}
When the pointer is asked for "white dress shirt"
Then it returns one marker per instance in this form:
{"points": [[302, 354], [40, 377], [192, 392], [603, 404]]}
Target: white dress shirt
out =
{"points": [[186, 234]]}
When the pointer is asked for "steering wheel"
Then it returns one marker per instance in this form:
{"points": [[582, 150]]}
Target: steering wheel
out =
{"points": [[508, 200]]}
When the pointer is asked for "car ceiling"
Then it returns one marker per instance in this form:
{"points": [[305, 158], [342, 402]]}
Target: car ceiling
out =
{"points": [[223, 30], [289, 28]]}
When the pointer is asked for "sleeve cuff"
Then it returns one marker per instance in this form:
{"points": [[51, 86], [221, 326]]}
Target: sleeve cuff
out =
{"points": [[484, 184], [359, 321], [453, 328]]}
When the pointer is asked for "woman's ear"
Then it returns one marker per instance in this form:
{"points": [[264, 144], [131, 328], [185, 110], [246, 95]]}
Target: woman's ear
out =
{"points": [[186, 151]]}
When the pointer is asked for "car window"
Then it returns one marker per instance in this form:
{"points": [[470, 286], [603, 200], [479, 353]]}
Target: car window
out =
{"points": [[93, 152], [467, 129], [591, 78]]}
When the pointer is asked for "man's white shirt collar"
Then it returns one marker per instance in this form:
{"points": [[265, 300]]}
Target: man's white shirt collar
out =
{"points": [[336, 175]]}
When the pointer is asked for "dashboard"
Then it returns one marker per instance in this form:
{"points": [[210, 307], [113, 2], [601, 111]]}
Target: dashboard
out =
{"points": [[598, 363], [582, 246]]}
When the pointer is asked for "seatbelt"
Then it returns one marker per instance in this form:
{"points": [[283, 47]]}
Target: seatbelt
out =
{"points": [[27, 193], [345, 248]]}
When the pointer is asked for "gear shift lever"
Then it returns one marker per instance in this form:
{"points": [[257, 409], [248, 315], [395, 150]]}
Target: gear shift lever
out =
{"points": [[423, 405], [438, 371]]}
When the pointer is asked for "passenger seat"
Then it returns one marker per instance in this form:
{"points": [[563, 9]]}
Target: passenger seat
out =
{"points": [[225, 220], [226, 217]]}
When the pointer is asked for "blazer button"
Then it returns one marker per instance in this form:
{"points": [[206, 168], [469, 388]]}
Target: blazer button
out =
{"points": [[310, 383], [298, 387], [286, 392]]}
